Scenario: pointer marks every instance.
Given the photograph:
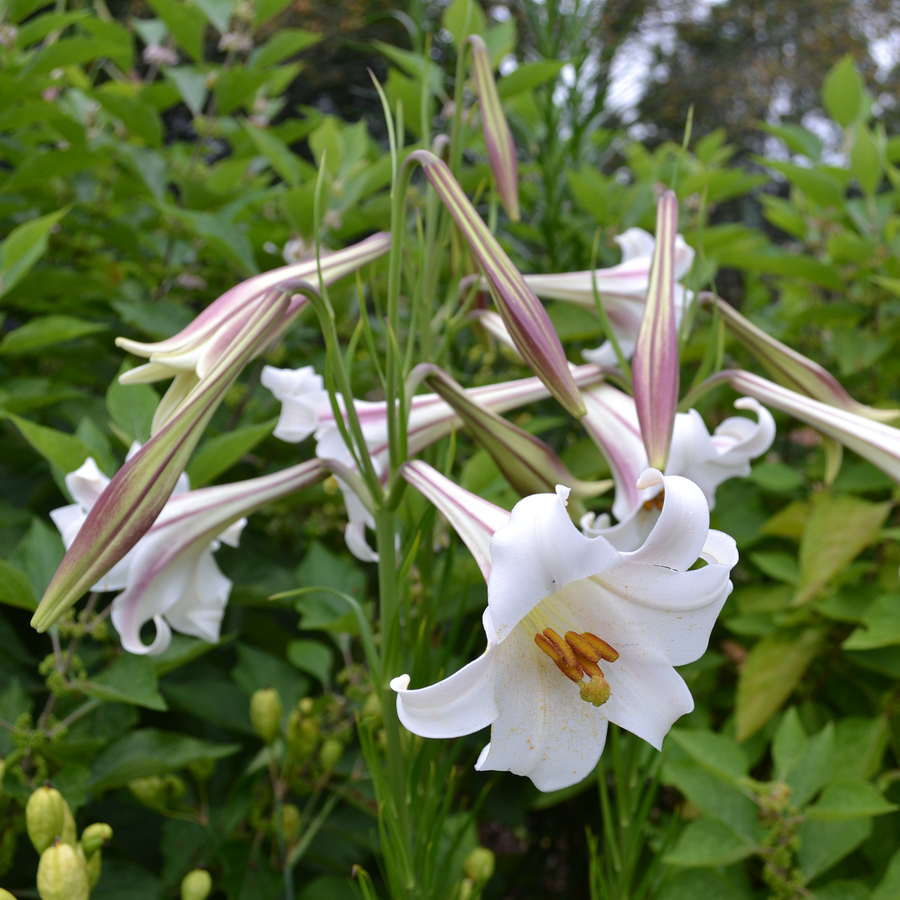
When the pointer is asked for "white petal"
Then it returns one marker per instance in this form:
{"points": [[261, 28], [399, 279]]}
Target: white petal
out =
{"points": [[536, 554], [232, 534], [544, 729], [358, 519], [682, 528], [628, 535], [635, 242], [461, 704], [86, 483], [68, 520], [199, 610], [646, 699], [131, 641]]}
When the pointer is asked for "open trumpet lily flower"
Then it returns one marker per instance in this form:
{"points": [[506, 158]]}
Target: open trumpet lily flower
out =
{"points": [[579, 634], [170, 576], [306, 410], [704, 458]]}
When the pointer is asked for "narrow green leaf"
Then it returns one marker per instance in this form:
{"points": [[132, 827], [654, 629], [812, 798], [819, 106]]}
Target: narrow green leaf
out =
{"points": [[312, 657], [23, 247], [63, 450], [47, 331], [284, 43], [277, 153], [187, 24]]}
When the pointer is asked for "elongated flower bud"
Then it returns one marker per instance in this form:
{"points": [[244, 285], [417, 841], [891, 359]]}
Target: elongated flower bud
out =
{"points": [[265, 714], [62, 875], [525, 318], [497, 136], [45, 817], [196, 885], [655, 367]]}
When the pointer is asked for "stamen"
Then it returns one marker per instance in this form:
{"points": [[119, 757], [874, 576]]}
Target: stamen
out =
{"points": [[657, 501], [588, 666], [557, 649], [603, 650], [590, 646]]}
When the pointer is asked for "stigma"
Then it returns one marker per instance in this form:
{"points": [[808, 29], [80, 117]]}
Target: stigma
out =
{"points": [[576, 656]]}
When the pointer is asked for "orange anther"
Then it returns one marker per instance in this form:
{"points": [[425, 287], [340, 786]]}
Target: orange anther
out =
{"points": [[565, 661], [601, 648]]}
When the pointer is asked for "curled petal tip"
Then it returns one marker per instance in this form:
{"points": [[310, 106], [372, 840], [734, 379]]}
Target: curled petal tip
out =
{"points": [[400, 683], [563, 493], [649, 478], [746, 403]]}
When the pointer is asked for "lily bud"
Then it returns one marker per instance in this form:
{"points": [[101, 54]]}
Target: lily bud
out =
{"points": [[655, 370], [94, 837], [61, 874], [497, 136], [196, 885], [792, 369], [265, 714], [529, 464], [479, 864], [524, 316], [128, 507], [45, 816], [302, 734]]}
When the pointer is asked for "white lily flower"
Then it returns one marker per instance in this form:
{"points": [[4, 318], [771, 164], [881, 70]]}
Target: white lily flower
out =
{"points": [[579, 634], [622, 288], [306, 410], [705, 459]]}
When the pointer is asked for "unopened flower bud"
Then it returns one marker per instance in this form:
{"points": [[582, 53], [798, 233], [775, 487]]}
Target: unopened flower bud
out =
{"points": [[94, 837], [45, 816], [265, 714], [466, 886], [306, 705], [302, 734], [203, 769], [62, 875], [331, 752], [196, 885], [290, 822], [372, 708], [479, 864], [150, 791], [69, 833]]}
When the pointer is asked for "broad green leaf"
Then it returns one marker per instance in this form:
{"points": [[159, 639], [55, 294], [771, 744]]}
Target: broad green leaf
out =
{"points": [[39, 554], [849, 800], [501, 40], [822, 844], [277, 153], [215, 700], [116, 35], [704, 883], [798, 139], [47, 331], [323, 610], [186, 22], [776, 477], [15, 587], [714, 797], [151, 168], [237, 87], [191, 84], [265, 9], [23, 247], [770, 673], [838, 530], [38, 167], [130, 679], [157, 319], [860, 744], [131, 407], [312, 657], [843, 92], [20, 9], [139, 117], [780, 566], [257, 669], [708, 842], [63, 450], [865, 160], [841, 890], [220, 453], [149, 751], [223, 236], [462, 18], [880, 625], [72, 782], [284, 43], [183, 650], [789, 744], [789, 522], [72, 52], [889, 886], [819, 186], [218, 12], [13, 702], [715, 752], [814, 768]]}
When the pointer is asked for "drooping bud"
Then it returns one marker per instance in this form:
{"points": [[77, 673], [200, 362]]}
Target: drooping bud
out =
{"points": [[45, 816], [196, 885], [331, 753], [62, 875], [655, 368], [94, 837], [479, 864], [524, 316], [265, 714]]}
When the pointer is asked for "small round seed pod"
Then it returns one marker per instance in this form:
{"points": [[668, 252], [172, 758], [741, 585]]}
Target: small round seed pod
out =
{"points": [[331, 752], [265, 714], [62, 875], [196, 885], [45, 816], [479, 864], [94, 837]]}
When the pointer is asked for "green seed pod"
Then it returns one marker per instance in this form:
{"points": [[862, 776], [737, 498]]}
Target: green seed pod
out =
{"points": [[94, 837], [6, 895], [290, 822], [466, 887], [331, 752], [196, 885], [302, 734], [45, 816], [479, 864], [150, 791], [61, 874], [265, 714], [372, 708], [93, 867], [69, 834]]}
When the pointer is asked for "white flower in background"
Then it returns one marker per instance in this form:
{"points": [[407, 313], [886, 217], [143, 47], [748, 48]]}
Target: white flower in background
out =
{"points": [[623, 289], [306, 410], [192, 595], [705, 459], [579, 634]]}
